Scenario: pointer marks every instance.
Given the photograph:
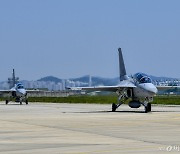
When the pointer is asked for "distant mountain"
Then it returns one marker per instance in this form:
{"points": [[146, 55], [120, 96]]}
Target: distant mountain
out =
{"points": [[155, 78], [51, 79], [85, 79], [95, 81]]}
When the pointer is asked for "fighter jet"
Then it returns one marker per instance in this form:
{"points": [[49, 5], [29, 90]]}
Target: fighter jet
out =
{"points": [[138, 87], [16, 91]]}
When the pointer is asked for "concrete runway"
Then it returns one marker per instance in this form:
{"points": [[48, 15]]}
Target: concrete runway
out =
{"points": [[87, 128]]}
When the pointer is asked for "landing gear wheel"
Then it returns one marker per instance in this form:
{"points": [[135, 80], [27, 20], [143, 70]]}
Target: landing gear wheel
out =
{"points": [[7, 102], [26, 102], [148, 108], [149, 104], [20, 103], [114, 107]]}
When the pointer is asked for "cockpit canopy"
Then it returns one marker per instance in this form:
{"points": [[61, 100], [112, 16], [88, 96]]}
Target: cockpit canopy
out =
{"points": [[20, 86], [142, 78]]}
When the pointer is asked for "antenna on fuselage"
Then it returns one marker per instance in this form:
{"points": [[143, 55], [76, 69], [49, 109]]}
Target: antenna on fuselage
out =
{"points": [[122, 69]]}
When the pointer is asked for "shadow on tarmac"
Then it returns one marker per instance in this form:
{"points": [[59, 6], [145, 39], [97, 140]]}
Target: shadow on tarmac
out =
{"points": [[120, 112]]}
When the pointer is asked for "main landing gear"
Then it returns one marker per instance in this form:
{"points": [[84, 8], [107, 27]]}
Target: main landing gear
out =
{"points": [[26, 102], [7, 101], [133, 104], [19, 100], [147, 107], [114, 107], [121, 99]]}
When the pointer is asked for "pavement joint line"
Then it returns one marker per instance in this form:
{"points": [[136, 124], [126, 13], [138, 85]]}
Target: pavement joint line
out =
{"points": [[87, 132], [54, 147]]}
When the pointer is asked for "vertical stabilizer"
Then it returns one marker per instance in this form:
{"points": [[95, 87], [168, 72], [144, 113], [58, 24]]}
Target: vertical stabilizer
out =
{"points": [[13, 78], [122, 68]]}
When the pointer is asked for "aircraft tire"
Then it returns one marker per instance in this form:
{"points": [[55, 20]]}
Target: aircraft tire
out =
{"points": [[7, 102], [149, 104], [20, 103], [26, 102], [148, 108], [114, 107]]}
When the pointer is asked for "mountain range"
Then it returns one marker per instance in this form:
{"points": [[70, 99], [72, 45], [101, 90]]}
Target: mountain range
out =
{"points": [[99, 80]]}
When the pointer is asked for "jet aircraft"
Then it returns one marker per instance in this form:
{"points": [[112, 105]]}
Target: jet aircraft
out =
{"points": [[17, 91], [138, 87]]}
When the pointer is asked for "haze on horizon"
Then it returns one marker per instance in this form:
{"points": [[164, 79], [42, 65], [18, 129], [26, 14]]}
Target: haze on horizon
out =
{"points": [[73, 38]]}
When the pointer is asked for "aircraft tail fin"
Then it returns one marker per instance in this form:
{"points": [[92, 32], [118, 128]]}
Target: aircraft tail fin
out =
{"points": [[122, 68], [13, 78]]}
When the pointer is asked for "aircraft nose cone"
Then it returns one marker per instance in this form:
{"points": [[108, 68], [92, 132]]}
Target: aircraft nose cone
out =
{"points": [[150, 88], [153, 89], [22, 91]]}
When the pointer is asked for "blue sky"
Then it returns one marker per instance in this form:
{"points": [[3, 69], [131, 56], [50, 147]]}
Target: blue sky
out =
{"points": [[72, 38]]}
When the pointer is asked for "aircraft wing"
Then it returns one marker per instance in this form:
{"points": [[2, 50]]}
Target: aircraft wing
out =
{"points": [[166, 87], [10, 90], [31, 91], [34, 91], [6, 91], [122, 85]]}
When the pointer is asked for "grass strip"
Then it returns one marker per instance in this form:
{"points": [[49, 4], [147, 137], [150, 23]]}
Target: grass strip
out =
{"points": [[108, 99]]}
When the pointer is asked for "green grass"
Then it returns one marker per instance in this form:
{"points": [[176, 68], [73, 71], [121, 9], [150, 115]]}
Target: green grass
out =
{"points": [[76, 99], [169, 100], [108, 99]]}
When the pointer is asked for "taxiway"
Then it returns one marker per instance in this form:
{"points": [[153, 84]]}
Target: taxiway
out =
{"points": [[87, 128]]}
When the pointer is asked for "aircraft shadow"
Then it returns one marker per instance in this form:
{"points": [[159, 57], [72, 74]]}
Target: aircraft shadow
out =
{"points": [[108, 112], [120, 112], [12, 104], [165, 111]]}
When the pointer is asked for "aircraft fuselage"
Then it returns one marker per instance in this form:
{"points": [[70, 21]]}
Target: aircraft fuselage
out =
{"points": [[144, 90]]}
